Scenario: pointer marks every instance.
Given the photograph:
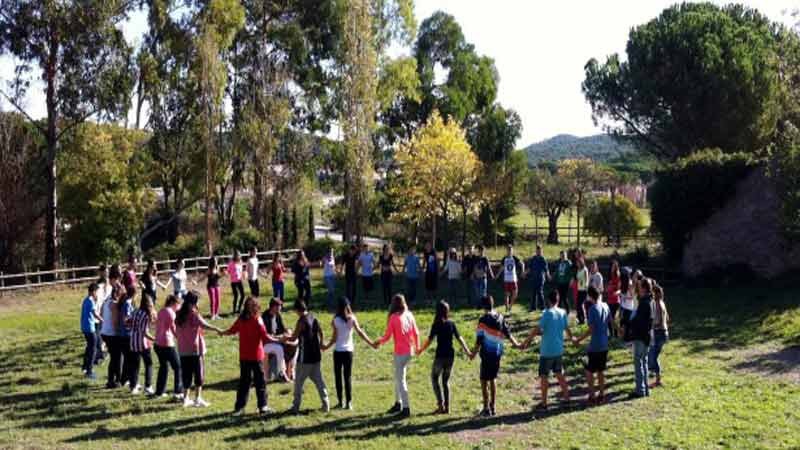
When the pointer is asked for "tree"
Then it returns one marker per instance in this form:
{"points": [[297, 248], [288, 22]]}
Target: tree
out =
{"points": [[582, 177], [697, 76], [86, 68], [311, 224], [546, 191], [612, 218], [434, 168], [286, 241], [295, 240], [22, 204]]}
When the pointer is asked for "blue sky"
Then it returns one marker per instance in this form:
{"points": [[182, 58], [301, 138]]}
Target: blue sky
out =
{"points": [[539, 48]]}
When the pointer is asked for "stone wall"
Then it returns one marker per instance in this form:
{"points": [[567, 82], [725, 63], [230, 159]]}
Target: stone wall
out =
{"points": [[745, 231]]}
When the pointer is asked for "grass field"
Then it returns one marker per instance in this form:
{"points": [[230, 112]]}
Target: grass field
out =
{"points": [[525, 217], [731, 381]]}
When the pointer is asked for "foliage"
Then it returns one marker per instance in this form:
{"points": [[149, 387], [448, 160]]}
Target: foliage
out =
{"points": [[22, 202], [687, 192], [185, 246], [547, 192], [599, 148], [784, 170], [434, 167], [315, 250], [310, 236], [242, 239], [105, 196], [609, 219], [85, 65], [697, 76], [502, 186]]}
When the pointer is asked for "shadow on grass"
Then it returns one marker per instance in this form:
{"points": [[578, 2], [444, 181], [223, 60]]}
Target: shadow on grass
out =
{"points": [[785, 361]]}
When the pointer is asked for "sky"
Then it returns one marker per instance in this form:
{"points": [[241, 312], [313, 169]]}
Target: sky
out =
{"points": [[539, 49]]}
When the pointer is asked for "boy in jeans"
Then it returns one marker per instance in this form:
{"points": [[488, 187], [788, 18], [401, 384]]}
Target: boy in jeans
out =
{"points": [[552, 326], [597, 351], [492, 329]]}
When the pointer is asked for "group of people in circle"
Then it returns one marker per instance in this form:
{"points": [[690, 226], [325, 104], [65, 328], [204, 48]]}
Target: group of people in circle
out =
{"points": [[633, 310]]}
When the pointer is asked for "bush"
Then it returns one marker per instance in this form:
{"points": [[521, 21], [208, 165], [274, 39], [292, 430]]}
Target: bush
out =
{"points": [[185, 246], [622, 218], [242, 239], [689, 191], [318, 248]]}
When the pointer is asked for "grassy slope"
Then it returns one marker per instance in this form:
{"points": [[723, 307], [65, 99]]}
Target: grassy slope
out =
{"points": [[45, 403]]}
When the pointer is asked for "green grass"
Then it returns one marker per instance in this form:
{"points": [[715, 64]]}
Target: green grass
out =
{"points": [[707, 401], [525, 217]]}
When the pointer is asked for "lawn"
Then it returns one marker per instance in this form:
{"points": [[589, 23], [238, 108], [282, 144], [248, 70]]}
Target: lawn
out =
{"points": [[729, 382]]}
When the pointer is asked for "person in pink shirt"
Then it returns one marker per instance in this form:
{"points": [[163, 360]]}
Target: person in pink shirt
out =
{"points": [[192, 348], [403, 329], [235, 270], [165, 348]]}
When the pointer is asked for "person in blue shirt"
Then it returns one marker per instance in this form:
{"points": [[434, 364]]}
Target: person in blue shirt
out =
{"points": [[411, 268], [597, 351], [89, 318], [552, 326], [539, 274]]}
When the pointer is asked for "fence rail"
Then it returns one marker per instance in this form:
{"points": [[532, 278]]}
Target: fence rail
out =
{"points": [[569, 234], [72, 275]]}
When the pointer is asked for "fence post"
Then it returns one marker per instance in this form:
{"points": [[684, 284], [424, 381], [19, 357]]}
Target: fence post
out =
{"points": [[2, 280]]}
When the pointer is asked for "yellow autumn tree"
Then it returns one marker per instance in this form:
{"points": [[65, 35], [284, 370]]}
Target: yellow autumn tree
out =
{"points": [[436, 169]]}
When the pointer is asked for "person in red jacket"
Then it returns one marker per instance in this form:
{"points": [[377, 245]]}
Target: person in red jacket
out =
{"points": [[252, 337]]}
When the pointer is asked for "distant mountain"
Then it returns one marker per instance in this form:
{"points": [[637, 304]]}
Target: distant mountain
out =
{"points": [[600, 147]]}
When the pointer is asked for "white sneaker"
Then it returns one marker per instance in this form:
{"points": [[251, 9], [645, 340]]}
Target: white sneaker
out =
{"points": [[149, 391], [187, 402], [200, 403], [136, 390]]}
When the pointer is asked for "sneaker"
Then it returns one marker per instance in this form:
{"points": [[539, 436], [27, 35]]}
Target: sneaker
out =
{"points": [[492, 413], [325, 408], [177, 398], [136, 390], [187, 402], [348, 406], [485, 413], [339, 406], [394, 409], [200, 403], [149, 391], [238, 413], [404, 413], [264, 410]]}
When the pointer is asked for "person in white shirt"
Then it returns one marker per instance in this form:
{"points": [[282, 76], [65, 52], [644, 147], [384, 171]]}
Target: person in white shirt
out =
{"points": [[452, 269], [252, 272], [329, 276], [179, 280], [366, 261], [510, 265], [596, 278]]}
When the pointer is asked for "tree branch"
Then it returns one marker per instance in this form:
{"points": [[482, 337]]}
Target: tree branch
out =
{"points": [[22, 111]]}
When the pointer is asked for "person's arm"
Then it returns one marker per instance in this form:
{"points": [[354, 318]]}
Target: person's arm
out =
{"points": [[96, 316], [476, 349], [207, 326], [577, 340], [489, 268], [386, 335], [320, 334], [535, 331], [333, 337], [424, 346], [297, 330], [165, 286], [232, 330], [361, 333]]}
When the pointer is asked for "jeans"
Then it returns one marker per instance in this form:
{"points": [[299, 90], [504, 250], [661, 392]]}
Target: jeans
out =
{"points": [[115, 359], [350, 288], [342, 371], [330, 285], [168, 355], [563, 296], [137, 358], [411, 289], [640, 350], [254, 288], [238, 296], [89, 352], [660, 338], [480, 286], [581, 306], [442, 367], [400, 385], [303, 289], [538, 296], [313, 371], [213, 300], [386, 286], [278, 290], [274, 348], [250, 373], [98, 340]]}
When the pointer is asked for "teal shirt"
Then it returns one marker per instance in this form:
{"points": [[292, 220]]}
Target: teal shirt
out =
{"points": [[553, 323]]}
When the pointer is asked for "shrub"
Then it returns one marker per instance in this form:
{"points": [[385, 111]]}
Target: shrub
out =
{"points": [[318, 248], [622, 218], [689, 191], [242, 239]]}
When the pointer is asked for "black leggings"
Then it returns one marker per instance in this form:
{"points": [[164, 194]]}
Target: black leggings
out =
{"points": [[136, 360], [238, 296], [89, 352], [168, 355], [581, 306], [386, 285], [127, 358], [251, 373], [115, 360], [303, 290], [442, 367], [563, 297], [343, 365], [613, 309], [350, 288]]}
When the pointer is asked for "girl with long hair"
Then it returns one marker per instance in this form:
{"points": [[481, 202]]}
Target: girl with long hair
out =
{"points": [[189, 325], [386, 263], [278, 269], [141, 342], [109, 331], [150, 282], [302, 277], [165, 348], [212, 286], [235, 272], [402, 328], [444, 330], [613, 294], [343, 324], [660, 332]]}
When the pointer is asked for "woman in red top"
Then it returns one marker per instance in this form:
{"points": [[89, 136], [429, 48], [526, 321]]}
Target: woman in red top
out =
{"points": [[277, 276], [612, 295], [252, 337]]}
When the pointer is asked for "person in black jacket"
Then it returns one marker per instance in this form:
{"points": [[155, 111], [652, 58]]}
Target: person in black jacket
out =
{"points": [[273, 322], [640, 323]]}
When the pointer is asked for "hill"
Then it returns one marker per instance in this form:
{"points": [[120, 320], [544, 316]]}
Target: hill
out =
{"points": [[600, 147]]}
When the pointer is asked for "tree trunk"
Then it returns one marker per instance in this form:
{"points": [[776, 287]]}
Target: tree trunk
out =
{"points": [[613, 218], [578, 219], [552, 228], [433, 232], [51, 216], [463, 232]]}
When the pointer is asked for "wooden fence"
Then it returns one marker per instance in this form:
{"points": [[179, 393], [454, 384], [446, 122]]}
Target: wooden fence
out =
{"points": [[72, 275], [569, 235]]}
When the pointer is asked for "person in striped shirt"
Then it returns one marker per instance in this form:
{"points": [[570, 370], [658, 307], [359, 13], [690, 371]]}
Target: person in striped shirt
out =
{"points": [[141, 343], [492, 331]]}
